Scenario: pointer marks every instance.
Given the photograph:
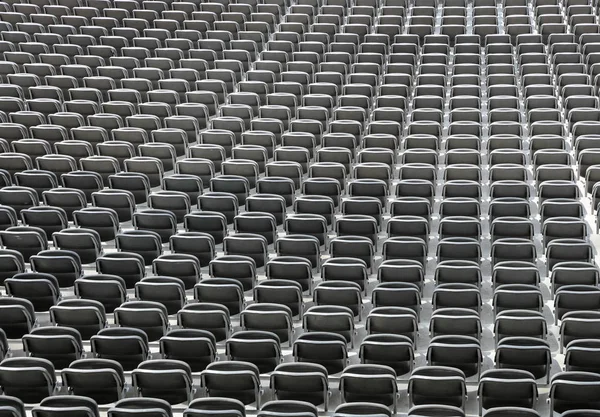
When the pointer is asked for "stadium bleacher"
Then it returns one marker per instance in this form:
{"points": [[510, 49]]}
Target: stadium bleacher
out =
{"points": [[299, 208]]}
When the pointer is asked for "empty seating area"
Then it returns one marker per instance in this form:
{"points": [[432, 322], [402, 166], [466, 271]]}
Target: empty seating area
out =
{"points": [[299, 208]]}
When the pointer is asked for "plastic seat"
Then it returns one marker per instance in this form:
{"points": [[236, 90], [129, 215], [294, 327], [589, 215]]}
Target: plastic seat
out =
{"points": [[29, 379]]}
